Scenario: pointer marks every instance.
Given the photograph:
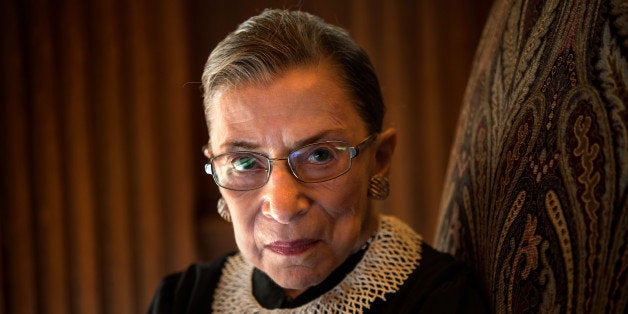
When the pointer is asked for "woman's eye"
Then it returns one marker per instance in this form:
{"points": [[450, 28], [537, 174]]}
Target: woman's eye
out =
{"points": [[245, 163], [320, 155]]}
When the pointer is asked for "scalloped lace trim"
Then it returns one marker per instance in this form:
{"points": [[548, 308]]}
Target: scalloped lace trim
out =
{"points": [[393, 255]]}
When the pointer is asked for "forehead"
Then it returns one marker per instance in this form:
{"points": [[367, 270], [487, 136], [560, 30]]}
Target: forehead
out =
{"points": [[301, 103]]}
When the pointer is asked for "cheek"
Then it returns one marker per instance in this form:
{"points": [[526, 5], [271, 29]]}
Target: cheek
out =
{"points": [[348, 215], [343, 197], [243, 220]]}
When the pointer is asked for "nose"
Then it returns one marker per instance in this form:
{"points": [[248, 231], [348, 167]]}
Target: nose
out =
{"points": [[282, 195]]}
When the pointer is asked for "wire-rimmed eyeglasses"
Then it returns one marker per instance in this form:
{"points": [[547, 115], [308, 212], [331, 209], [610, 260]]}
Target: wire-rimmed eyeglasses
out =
{"points": [[312, 163]]}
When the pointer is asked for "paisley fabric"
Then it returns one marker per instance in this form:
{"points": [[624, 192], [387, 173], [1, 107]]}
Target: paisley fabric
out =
{"points": [[536, 195]]}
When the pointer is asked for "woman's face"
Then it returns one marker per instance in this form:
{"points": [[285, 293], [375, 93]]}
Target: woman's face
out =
{"points": [[295, 232]]}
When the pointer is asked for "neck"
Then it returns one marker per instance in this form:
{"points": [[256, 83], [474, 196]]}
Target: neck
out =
{"points": [[293, 293]]}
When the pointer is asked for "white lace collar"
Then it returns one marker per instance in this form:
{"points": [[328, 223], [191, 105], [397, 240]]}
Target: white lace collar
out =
{"points": [[393, 255]]}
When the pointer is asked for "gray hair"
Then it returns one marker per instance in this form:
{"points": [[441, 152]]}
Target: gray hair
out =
{"points": [[266, 45]]}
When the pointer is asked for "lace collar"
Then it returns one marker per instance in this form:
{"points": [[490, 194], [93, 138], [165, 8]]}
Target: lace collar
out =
{"points": [[393, 255]]}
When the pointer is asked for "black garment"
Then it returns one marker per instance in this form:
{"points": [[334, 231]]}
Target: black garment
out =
{"points": [[438, 285], [271, 296]]}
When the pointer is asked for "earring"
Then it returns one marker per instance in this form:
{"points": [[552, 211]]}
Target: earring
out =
{"points": [[222, 209], [379, 187]]}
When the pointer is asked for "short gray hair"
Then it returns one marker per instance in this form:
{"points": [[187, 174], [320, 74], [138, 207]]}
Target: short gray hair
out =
{"points": [[274, 41]]}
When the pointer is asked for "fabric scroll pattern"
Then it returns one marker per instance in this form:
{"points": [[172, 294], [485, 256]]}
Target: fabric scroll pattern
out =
{"points": [[536, 196]]}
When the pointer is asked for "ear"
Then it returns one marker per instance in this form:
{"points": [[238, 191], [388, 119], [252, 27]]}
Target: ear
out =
{"points": [[386, 142], [206, 151]]}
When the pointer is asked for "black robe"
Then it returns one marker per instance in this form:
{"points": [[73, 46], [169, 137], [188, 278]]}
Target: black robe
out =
{"points": [[438, 285]]}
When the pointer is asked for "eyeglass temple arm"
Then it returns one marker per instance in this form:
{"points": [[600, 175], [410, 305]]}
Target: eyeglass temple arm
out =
{"points": [[354, 151]]}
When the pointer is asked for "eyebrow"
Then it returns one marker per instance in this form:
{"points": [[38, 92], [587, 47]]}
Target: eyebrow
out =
{"points": [[240, 144], [250, 146]]}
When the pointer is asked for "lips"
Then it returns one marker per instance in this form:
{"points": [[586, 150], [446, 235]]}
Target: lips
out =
{"points": [[292, 247]]}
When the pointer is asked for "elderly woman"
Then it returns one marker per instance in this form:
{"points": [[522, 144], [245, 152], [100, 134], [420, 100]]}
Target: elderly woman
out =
{"points": [[296, 145]]}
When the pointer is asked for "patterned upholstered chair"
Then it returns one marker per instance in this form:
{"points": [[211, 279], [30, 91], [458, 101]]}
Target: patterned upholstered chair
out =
{"points": [[536, 195]]}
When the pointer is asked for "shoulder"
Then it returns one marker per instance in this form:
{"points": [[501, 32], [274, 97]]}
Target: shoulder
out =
{"points": [[188, 291]]}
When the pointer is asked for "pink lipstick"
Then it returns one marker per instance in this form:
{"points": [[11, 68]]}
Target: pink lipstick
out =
{"points": [[292, 247]]}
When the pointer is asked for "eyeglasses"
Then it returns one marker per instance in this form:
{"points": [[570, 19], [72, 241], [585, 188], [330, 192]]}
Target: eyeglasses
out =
{"points": [[313, 163]]}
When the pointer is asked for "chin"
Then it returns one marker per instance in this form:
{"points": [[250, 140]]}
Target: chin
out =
{"points": [[296, 278]]}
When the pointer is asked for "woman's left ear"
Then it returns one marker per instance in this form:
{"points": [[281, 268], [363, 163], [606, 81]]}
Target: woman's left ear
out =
{"points": [[386, 142]]}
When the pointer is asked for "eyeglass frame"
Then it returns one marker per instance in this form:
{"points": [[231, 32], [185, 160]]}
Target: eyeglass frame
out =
{"points": [[354, 151]]}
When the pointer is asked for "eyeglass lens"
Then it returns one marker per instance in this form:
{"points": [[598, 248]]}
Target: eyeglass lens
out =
{"points": [[312, 163]]}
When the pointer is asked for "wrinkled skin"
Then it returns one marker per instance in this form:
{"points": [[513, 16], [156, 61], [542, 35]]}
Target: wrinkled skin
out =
{"points": [[295, 232]]}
